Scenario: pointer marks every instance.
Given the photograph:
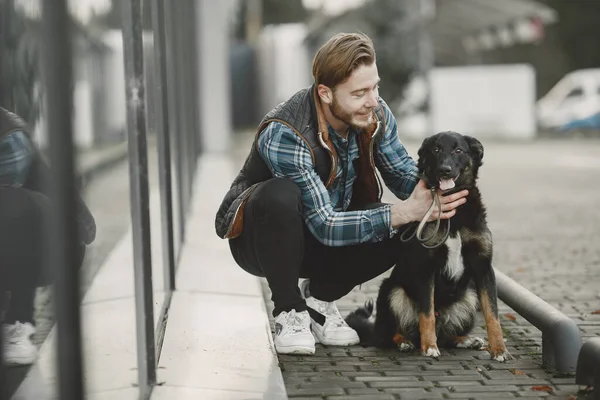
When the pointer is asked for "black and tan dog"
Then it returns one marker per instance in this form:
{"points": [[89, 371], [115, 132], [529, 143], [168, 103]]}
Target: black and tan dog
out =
{"points": [[432, 295]]}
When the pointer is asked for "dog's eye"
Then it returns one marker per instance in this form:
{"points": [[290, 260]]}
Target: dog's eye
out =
{"points": [[458, 151], [436, 150]]}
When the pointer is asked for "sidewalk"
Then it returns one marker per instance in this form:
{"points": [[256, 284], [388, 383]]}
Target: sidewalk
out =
{"points": [[217, 343]]}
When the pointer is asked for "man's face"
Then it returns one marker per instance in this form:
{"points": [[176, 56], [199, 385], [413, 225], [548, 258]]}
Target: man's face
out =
{"points": [[354, 100]]}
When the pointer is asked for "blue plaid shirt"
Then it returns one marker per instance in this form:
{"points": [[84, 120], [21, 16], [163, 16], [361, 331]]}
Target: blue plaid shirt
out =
{"points": [[16, 153], [324, 210]]}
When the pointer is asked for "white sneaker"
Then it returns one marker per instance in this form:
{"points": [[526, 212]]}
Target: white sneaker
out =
{"points": [[18, 348], [292, 333], [328, 326]]}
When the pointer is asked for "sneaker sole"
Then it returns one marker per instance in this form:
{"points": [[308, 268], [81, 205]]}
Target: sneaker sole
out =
{"points": [[295, 350], [335, 342], [14, 361]]}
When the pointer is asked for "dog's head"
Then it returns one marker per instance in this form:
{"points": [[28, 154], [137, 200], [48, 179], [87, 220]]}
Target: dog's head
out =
{"points": [[449, 159]]}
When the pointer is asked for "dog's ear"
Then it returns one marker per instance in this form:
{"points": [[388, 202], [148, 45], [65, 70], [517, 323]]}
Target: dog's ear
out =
{"points": [[425, 147], [475, 147]]}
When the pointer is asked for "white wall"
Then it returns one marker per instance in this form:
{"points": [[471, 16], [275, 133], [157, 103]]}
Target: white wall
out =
{"points": [[116, 108], [486, 101], [284, 63], [213, 61]]}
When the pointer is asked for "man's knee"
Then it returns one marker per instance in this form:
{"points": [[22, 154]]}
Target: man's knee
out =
{"points": [[277, 196]]}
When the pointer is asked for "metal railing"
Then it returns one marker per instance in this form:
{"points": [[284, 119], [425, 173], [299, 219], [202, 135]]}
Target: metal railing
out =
{"points": [[63, 235], [139, 192], [561, 338]]}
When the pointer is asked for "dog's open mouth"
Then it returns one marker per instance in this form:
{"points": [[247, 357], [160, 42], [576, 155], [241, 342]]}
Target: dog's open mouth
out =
{"points": [[447, 183]]}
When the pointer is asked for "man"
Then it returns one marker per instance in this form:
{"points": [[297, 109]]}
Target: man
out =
{"points": [[307, 201], [24, 213]]}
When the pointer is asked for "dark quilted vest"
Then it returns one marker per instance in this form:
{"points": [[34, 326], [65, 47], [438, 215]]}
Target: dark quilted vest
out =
{"points": [[39, 176], [302, 114]]}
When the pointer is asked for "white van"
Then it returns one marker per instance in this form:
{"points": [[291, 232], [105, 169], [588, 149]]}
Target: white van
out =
{"points": [[574, 99]]}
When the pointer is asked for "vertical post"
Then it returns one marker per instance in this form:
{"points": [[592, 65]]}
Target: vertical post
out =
{"points": [[6, 16], [181, 13], [164, 148], [63, 237], [176, 104], [140, 203]]}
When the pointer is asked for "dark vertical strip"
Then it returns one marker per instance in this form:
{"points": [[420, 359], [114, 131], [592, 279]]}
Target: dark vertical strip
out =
{"points": [[140, 204], [164, 147], [63, 237], [176, 125]]}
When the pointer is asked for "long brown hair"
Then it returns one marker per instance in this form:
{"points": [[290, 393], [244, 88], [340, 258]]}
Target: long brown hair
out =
{"points": [[340, 56]]}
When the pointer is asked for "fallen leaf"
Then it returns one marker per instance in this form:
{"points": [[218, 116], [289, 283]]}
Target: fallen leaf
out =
{"points": [[520, 270], [518, 372], [510, 316], [542, 388], [572, 397], [596, 312]]}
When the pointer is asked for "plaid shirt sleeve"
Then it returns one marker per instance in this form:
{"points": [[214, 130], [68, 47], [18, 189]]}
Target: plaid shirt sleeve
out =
{"points": [[398, 170], [15, 159], [288, 156]]}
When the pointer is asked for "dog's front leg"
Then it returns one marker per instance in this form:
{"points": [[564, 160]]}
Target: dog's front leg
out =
{"points": [[427, 323], [480, 261], [489, 307]]}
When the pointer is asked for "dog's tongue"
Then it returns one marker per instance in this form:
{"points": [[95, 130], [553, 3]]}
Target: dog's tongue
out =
{"points": [[446, 184]]}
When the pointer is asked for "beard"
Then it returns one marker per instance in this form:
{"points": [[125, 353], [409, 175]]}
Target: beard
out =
{"points": [[348, 117]]}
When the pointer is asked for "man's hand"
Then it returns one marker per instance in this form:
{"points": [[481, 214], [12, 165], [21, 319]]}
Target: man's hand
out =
{"points": [[414, 208]]}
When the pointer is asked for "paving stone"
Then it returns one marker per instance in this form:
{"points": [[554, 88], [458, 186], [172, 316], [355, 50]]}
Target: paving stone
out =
{"points": [[322, 392], [364, 391], [369, 379], [483, 389], [381, 396], [530, 381], [323, 385], [531, 394], [488, 396], [414, 393], [401, 384]]}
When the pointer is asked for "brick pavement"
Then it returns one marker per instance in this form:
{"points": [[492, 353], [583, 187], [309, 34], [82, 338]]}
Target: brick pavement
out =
{"points": [[541, 209]]}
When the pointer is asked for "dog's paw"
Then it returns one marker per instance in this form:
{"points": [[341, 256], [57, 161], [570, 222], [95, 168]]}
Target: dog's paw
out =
{"points": [[502, 356], [472, 343], [431, 351], [406, 347]]}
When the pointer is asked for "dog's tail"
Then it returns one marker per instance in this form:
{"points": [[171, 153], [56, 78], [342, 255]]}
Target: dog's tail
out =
{"points": [[360, 320]]}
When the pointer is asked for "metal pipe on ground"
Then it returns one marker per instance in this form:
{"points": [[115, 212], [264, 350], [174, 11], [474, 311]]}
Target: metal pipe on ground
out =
{"points": [[588, 366], [561, 338]]}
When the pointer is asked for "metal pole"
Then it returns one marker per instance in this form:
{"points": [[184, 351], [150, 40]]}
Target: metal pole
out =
{"points": [[164, 148], [561, 338], [177, 125], [57, 71], [139, 193], [184, 108], [588, 366]]}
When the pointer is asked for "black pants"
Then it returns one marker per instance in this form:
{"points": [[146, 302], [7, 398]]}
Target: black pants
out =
{"points": [[23, 215], [277, 245]]}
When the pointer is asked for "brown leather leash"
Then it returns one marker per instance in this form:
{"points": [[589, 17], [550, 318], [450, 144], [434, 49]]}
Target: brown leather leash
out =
{"points": [[418, 232]]}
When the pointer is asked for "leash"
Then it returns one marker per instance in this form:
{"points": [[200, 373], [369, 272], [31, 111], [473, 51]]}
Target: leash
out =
{"points": [[418, 232]]}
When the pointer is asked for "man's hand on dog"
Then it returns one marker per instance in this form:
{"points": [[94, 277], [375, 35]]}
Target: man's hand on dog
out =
{"points": [[414, 208]]}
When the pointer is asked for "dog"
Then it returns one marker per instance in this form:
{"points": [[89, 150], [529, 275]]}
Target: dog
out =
{"points": [[433, 293]]}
